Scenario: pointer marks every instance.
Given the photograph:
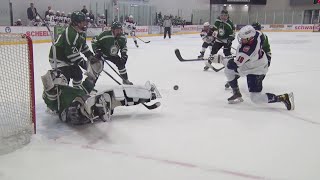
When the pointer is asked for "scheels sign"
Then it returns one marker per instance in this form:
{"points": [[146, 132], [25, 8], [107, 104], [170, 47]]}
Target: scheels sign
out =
{"points": [[37, 33]]}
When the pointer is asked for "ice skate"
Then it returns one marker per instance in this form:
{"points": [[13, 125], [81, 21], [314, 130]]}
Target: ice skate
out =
{"points": [[126, 82], [236, 97], [201, 55], [288, 100]]}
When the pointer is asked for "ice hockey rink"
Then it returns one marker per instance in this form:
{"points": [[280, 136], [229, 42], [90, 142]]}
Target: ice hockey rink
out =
{"points": [[195, 133]]}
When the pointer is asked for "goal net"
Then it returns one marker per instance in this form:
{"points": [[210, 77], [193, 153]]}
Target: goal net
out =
{"points": [[17, 104]]}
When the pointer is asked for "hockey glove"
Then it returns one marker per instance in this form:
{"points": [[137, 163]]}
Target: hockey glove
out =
{"points": [[93, 59], [99, 53], [229, 41], [232, 65], [124, 57], [269, 58]]}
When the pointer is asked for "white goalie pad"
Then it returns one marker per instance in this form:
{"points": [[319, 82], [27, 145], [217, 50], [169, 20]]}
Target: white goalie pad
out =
{"points": [[135, 92], [94, 69], [52, 78], [101, 100]]}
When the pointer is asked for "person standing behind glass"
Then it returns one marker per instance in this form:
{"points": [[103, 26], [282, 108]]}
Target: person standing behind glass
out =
{"points": [[32, 13]]}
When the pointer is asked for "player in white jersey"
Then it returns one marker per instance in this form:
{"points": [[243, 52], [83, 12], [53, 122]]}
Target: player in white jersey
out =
{"points": [[208, 36], [251, 61], [130, 28]]}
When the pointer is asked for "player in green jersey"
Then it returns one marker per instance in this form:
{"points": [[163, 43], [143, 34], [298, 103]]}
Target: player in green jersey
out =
{"points": [[225, 35], [68, 47], [109, 44]]}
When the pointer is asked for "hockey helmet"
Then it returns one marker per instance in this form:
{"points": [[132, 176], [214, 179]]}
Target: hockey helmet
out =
{"points": [[246, 34], [77, 17], [256, 26], [116, 25], [130, 17], [206, 24]]}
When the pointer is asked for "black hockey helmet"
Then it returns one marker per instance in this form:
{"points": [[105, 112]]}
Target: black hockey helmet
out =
{"points": [[256, 26], [77, 17], [116, 25]]}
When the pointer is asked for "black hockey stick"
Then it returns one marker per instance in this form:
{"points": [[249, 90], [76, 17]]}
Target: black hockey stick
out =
{"points": [[150, 107], [142, 40], [177, 52]]}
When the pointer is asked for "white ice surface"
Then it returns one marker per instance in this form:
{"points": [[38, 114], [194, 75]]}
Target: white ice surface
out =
{"points": [[195, 134]]}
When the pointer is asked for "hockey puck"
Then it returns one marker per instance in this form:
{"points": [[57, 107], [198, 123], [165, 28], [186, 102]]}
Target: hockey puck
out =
{"points": [[175, 87]]}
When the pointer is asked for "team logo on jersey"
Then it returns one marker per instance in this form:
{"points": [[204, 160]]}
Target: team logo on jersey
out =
{"points": [[221, 32], [114, 50], [246, 48]]}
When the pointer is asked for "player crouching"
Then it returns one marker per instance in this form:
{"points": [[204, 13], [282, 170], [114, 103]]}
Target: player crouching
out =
{"points": [[80, 106], [251, 61]]}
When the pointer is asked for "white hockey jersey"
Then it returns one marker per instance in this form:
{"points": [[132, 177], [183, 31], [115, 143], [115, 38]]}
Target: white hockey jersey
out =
{"points": [[250, 58], [129, 27]]}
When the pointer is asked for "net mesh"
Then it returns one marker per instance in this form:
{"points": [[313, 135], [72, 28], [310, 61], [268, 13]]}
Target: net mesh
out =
{"points": [[16, 92]]}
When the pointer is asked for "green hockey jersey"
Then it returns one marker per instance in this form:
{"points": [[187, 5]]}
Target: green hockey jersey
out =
{"points": [[225, 29], [266, 45], [69, 45], [66, 95], [109, 45]]}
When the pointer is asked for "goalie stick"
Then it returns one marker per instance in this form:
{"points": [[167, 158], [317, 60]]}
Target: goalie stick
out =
{"points": [[178, 54]]}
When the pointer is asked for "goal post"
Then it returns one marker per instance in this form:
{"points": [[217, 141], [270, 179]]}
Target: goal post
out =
{"points": [[17, 95]]}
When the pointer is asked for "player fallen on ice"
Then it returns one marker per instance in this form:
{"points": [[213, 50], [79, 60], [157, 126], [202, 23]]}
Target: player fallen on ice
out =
{"points": [[208, 37], [130, 29], [251, 61], [80, 106], [69, 46], [225, 36], [109, 43]]}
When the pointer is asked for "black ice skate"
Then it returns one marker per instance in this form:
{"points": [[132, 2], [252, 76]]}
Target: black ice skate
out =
{"points": [[288, 100], [137, 45], [126, 82], [201, 55], [236, 97]]}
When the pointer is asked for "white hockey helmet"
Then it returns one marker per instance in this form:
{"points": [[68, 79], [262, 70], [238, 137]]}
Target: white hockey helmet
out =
{"points": [[206, 24], [130, 17], [246, 34]]}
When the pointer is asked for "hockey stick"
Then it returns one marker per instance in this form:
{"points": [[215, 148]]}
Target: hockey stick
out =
{"points": [[54, 54], [142, 40], [177, 52], [111, 77], [150, 107]]}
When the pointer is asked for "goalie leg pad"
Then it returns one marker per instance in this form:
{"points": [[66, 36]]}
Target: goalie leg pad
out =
{"points": [[94, 69]]}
